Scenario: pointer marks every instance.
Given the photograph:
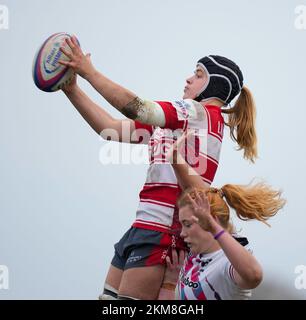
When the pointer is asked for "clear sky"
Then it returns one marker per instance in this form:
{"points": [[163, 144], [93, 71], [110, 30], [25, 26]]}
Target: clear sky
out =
{"points": [[61, 209]]}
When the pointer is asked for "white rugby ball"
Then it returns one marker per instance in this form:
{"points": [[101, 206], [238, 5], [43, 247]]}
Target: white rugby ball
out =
{"points": [[48, 74]]}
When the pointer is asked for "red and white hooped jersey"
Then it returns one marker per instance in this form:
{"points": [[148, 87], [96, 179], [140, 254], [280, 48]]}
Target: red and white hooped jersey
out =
{"points": [[157, 206], [209, 277]]}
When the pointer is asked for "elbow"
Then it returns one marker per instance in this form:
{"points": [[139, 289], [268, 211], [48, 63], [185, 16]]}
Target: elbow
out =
{"points": [[131, 110], [109, 134], [255, 278], [145, 111]]}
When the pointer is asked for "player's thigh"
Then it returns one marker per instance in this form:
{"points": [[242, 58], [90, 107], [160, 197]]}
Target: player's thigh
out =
{"points": [[113, 277], [142, 283]]}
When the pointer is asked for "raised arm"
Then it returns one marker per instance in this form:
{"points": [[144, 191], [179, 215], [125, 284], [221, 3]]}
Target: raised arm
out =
{"points": [[125, 101], [247, 272], [100, 120], [186, 176]]}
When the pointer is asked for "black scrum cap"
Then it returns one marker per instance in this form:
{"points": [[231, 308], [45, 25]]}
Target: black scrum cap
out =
{"points": [[225, 79]]}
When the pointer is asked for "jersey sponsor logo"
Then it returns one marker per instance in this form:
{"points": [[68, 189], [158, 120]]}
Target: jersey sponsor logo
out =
{"points": [[191, 149], [183, 104], [184, 107], [189, 283]]}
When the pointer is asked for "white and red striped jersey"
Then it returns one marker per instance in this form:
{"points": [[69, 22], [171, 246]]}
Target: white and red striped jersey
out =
{"points": [[157, 206], [209, 277]]}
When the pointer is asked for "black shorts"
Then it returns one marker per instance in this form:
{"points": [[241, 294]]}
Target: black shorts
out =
{"points": [[142, 247]]}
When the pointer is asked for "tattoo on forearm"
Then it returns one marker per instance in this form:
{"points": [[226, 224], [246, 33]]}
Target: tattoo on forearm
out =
{"points": [[133, 108]]}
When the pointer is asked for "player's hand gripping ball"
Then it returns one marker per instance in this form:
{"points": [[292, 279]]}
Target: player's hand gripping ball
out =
{"points": [[48, 74]]}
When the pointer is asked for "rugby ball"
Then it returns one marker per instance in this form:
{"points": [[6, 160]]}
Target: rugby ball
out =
{"points": [[48, 74]]}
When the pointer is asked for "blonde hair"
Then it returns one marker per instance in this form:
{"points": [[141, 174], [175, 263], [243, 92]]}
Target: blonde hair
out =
{"points": [[241, 121], [257, 201]]}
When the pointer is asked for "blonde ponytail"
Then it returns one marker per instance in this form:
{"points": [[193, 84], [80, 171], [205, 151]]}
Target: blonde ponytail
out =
{"points": [[241, 121], [258, 202]]}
